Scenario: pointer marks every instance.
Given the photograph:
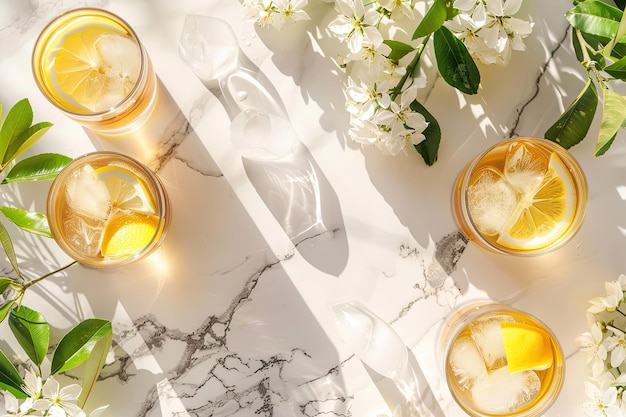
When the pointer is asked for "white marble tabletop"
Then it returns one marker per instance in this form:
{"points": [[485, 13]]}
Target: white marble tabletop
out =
{"points": [[232, 316]]}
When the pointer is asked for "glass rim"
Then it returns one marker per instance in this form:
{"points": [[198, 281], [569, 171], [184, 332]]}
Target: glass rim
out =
{"points": [[161, 198], [38, 70], [478, 308], [577, 174]]}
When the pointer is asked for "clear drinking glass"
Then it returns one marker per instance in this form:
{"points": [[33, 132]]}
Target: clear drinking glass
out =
{"points": [[523, 196], [107, 209], [90, 64], [484, 378]]}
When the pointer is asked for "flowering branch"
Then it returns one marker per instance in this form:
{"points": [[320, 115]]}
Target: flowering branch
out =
{"points": [[382, 59], [605, 348], [88, 342]]}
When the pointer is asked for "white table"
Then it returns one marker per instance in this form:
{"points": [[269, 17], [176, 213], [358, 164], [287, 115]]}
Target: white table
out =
{"points": [[231, 317]]}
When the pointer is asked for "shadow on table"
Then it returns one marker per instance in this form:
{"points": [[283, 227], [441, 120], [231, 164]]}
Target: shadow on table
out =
{"points": [[294, 189], [208, 324]]}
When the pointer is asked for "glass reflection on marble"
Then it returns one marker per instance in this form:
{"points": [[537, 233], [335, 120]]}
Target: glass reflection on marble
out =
{"points": [[278, 165], [381, 349], [209, 47]]}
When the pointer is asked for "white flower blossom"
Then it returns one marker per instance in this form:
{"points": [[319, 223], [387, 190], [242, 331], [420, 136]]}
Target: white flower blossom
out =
{"points": [[616, 345], [398, 9], [376, 44], [274, 13], [592, 343], [356, 25], [32, 383], [364, 99], [605, 348], [13, 408], [611, 301], [489, 30], [602, 403], [60, 402]]}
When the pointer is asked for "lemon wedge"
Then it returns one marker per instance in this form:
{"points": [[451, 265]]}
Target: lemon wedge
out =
{"points": [[126, 190], [97, 68], [526, 347], [125, 234], [545, 210]]}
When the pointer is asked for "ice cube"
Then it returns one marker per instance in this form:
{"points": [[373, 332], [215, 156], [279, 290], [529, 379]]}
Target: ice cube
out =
{"points": [[491, 201], [83, 233], [525, 168], [466, 362], [503, 392], [87, 195], [121, 64], [487, 335]]}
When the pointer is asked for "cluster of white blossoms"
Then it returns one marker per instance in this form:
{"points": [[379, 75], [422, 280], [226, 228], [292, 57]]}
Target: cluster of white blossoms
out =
{"points": [[605, 347], [489, 29], [380, 90], [46, 399]]}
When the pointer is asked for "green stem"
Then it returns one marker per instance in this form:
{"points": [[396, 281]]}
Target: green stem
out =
{"points": [[410, 68], [41, 278]]}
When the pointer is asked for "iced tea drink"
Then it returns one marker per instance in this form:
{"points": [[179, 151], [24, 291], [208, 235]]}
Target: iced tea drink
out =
{"points": [[499, 361], [107, 209], [524, 196], [90, 64]]}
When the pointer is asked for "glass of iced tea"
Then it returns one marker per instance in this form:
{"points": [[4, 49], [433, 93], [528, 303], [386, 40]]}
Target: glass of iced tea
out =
{"points": [[523, 196], [107, 209], [90, 64], [499, 361]]}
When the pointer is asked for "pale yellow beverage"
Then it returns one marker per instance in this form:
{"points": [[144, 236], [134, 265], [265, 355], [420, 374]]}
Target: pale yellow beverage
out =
{"points": [[107, 209], [524, 196], [90, 64], [499, 361]]}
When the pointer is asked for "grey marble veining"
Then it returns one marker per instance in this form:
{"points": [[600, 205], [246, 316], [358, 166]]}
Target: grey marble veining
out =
{"points": [[232, 316]]}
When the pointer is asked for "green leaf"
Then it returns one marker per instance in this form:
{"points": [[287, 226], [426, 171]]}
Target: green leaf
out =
{"points": [[5, 309], [18, 120], [25, 140], [5, 282], [574, 123], [617, 69], [455, 63], [613, 116], [596, 18], [621, 32], [429, 147], [398, 49], [10, 379], [44, 166], [78, 343], [7, 245], [594, 44], [94, 365], [30, 221], [433, 19], [32, 332]]}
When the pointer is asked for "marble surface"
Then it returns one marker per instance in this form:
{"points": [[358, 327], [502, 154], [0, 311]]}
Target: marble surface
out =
{"points": [[232, 316]]}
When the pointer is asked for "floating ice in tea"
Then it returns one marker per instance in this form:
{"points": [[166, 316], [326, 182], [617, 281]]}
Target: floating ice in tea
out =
{"points": [[107, 209], [501, 362], [523, 196]]}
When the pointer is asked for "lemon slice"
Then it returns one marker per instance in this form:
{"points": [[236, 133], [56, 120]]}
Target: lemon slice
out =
{"points": [[544, 211], [126, 190], [125, 234], [97, 68], [526, 347]]}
